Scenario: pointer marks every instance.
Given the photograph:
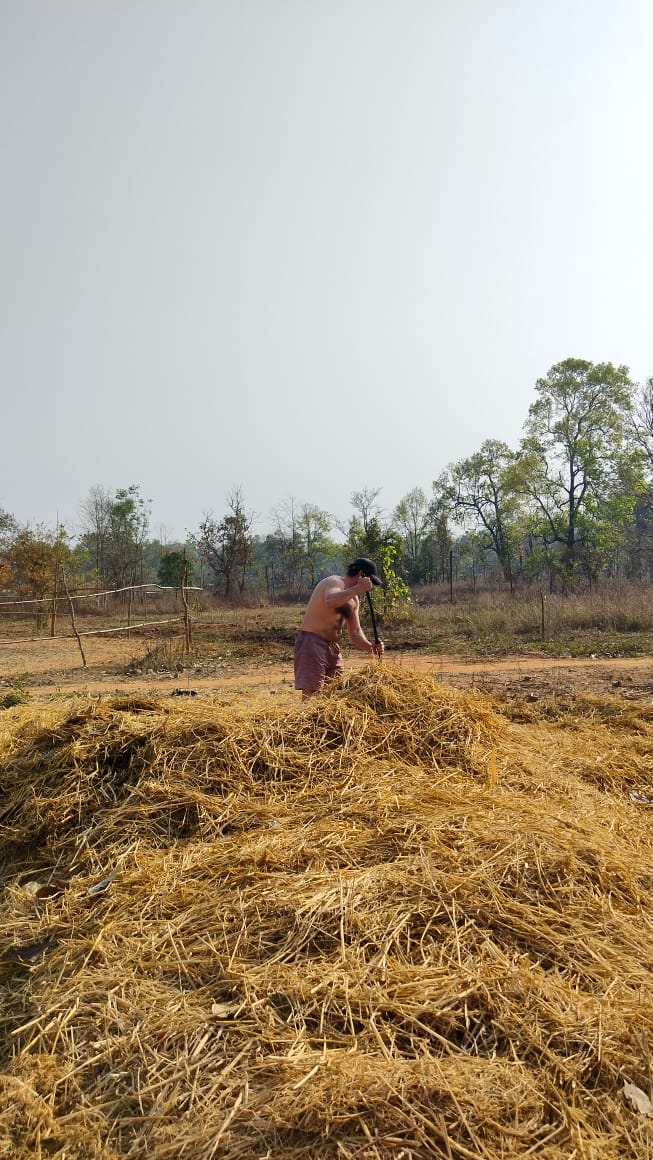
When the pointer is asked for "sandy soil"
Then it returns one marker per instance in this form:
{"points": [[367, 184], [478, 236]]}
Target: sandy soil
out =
{"points": [[54, 666]]}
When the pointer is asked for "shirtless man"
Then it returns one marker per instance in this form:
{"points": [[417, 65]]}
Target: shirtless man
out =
{"points": [[333, 604]]}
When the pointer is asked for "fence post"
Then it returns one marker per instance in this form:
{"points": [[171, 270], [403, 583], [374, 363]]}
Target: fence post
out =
{"points": [[184, 582], [53, 617], [72, 616]]}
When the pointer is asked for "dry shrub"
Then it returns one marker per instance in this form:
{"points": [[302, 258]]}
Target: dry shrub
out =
{"points": [[388, 923]]}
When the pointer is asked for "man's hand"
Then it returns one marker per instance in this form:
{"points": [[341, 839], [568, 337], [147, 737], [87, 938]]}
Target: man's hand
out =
{"points": [[378, 648], [364, 583]]}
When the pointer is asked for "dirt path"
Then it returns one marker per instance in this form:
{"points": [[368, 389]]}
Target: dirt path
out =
{"points": [[535, 676], [52, 666]]}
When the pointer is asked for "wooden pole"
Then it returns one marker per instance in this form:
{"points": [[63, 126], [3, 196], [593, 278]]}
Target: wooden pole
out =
{"points": [[72, 616], [53, 616], [184, 581], [374, 628]]}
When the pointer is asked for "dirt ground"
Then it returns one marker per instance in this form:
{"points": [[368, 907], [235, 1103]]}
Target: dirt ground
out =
{"points": [[54, 667]]}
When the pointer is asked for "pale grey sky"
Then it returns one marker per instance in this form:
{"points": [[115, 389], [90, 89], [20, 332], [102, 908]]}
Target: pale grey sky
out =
{"points": [[307, 246]]}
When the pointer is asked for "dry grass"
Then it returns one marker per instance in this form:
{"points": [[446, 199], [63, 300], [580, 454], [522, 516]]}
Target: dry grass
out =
{"points": [[390, 923], [615, 620]]}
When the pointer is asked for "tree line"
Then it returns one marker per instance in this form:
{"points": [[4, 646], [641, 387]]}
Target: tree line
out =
{"points": [[571, 504]]}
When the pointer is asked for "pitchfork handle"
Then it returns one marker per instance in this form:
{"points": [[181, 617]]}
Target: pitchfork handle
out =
{"points": [[374, 629]]}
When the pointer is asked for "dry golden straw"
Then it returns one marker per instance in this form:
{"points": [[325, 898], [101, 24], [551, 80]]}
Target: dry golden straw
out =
{"points": [[400, 921]]}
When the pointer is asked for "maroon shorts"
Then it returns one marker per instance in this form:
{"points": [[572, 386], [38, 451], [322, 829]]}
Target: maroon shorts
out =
{"points": [[316, 661]]}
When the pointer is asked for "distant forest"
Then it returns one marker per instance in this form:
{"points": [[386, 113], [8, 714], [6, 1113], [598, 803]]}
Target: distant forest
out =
{"points": [[572, 505]]}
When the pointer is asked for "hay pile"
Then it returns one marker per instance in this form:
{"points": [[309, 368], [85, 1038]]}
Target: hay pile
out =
{"points": [[390, 923]]}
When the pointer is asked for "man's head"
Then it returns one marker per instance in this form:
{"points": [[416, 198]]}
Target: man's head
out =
{"points": [[366, 567]]}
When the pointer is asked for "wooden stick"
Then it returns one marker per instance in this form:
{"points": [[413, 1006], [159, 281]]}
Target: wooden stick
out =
{"points": [[72, 616], [374, 628], [187, 630]]}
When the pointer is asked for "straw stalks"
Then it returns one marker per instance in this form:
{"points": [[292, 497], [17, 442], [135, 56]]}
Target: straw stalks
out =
{"points": [[391, 922]]}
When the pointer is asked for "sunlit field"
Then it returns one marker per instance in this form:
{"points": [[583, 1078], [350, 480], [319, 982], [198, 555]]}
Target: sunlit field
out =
{"points": [[609, 623]]}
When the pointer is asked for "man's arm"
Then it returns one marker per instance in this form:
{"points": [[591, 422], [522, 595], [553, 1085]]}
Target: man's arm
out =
{"points": [[336, 593], [356, 634]]}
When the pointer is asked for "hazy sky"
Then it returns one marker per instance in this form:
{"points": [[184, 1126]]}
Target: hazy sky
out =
{"points": [[307, 246]]}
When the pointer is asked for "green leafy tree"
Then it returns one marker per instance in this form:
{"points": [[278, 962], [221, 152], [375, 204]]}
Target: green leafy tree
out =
{"points": [[365, 534], [641, 422], [471, 557], [415, 519], [637, 561], [435, 548], [315, 528], [393, 601], [640, 539], [115, 527], [226, 545], [482, 492], [434, 551], [366, 541], [174, 565], [577, 466], [269, 556], [8, 529], [129, 524], [608, 526], [290, 548], [372, 542], [300, 547]]}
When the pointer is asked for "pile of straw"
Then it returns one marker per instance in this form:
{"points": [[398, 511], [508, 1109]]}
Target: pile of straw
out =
{"points": [[392, 922]]}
